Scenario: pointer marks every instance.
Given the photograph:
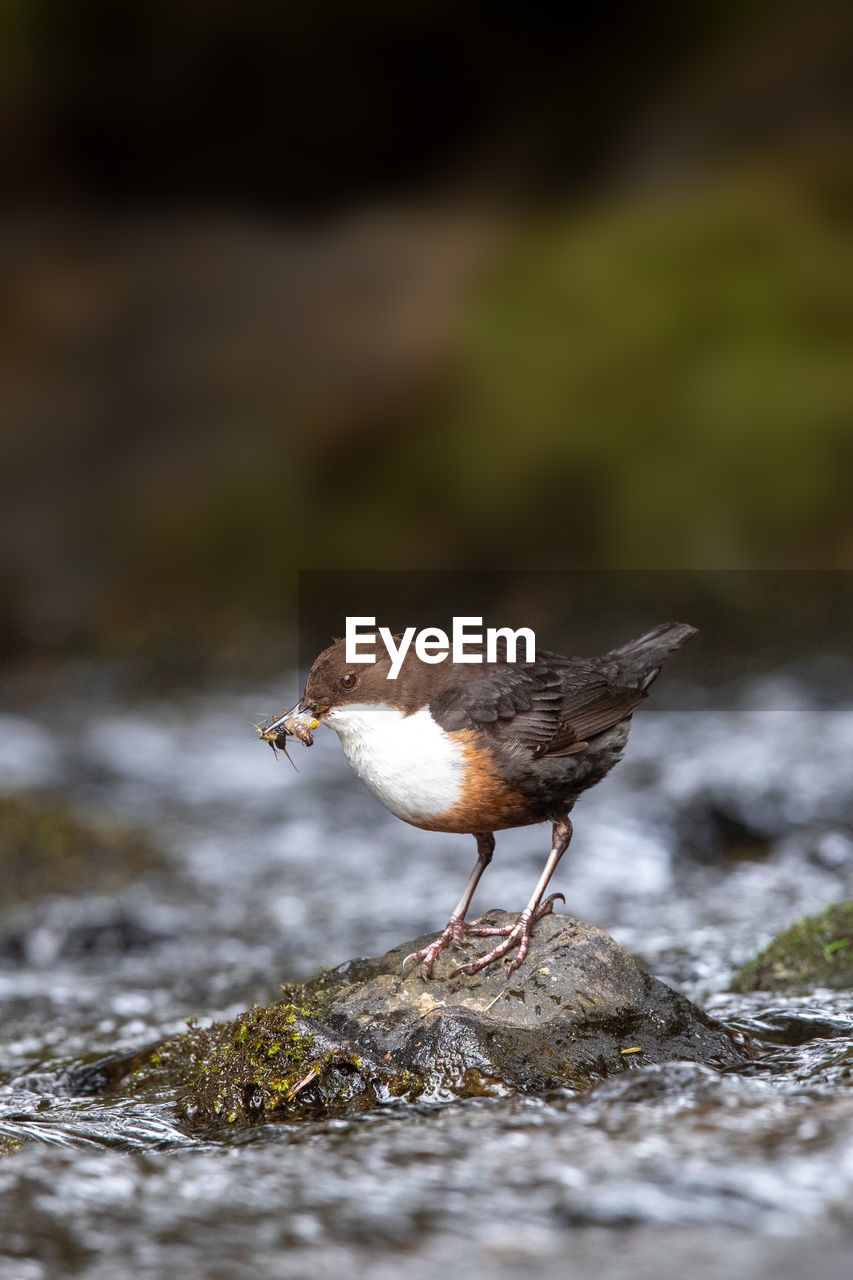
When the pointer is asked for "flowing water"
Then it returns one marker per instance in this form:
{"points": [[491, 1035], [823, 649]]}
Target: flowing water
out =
{"points": [[274, 873]]}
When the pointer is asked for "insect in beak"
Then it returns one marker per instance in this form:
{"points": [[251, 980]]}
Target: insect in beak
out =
{"points": [[295, 724], [276, 742]]}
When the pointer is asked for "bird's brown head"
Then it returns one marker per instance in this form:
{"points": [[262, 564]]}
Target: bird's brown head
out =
{"points": [[334, 682]]}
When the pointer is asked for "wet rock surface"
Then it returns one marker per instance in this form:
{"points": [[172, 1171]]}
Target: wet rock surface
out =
{"points": [[580, 1008], [816, 951]]}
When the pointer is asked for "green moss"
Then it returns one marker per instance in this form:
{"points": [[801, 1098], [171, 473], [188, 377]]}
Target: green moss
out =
{"points": [[814, 952], [46, 848], [272, 1062]]}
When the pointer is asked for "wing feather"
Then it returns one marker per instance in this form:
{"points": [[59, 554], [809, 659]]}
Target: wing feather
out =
{"points": [[553, 707]]}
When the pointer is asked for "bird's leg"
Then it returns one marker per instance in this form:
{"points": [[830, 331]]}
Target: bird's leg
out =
{"points": [[456, 928], [518, 935]]}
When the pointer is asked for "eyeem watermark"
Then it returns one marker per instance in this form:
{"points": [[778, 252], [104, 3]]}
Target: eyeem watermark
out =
{"points": [[433, 645]]}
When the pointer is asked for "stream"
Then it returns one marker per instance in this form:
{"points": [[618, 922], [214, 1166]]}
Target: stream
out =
{"points": [[273, 872]]}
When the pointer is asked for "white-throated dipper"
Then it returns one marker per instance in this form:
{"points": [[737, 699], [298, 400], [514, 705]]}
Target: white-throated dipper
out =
{"points": [[480, 748]]}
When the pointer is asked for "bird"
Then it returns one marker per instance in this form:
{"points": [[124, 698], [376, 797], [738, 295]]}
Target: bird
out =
{"points": [[480, 747]]}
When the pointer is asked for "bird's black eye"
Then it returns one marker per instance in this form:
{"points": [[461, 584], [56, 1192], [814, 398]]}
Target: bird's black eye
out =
{"points": [[349, 681]]}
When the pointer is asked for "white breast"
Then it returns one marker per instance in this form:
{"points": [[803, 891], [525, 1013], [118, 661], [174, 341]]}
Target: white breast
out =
{"points": [[409, 762]]}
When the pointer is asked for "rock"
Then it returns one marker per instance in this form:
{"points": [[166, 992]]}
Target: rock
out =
{"points": [[816, 951], [578, 1009]]}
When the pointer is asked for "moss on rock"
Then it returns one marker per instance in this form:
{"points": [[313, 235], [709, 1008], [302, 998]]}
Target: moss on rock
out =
{"points": [[816, 951], [46, 848], [277, 1061]]}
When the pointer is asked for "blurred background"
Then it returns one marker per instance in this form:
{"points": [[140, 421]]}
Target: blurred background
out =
{"points": [[539, 311], [409, 286]]}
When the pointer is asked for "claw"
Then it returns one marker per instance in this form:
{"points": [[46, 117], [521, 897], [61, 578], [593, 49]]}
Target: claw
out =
{"points": [[452, 937], [495, 911], [514, 935], [545, 908], [518, 935]]}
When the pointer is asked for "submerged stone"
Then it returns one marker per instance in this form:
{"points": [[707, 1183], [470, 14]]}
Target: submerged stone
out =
{"points": [[816, 951], [579, 1008]]}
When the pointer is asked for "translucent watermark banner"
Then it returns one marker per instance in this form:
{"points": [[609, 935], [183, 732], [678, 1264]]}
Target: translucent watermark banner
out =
{"points": [[789, 632]]}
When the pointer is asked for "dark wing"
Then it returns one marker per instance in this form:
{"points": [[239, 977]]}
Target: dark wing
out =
{"points": [[555, 706], [548, 711], [590, 705], [520, 705], [599, 692]]}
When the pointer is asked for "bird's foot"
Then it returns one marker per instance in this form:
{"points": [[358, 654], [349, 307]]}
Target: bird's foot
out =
{"points": [[514, 935], [478, 930], [453, 936]]}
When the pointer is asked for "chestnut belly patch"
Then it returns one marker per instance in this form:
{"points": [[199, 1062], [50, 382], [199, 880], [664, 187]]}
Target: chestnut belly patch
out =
{"points": [[487, 802]]}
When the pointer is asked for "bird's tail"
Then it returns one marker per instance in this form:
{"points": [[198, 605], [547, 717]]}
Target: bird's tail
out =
{"points": [[642, 658]]}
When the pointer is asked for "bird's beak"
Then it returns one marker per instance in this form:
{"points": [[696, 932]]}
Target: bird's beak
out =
{"points": [[298, 723]]}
